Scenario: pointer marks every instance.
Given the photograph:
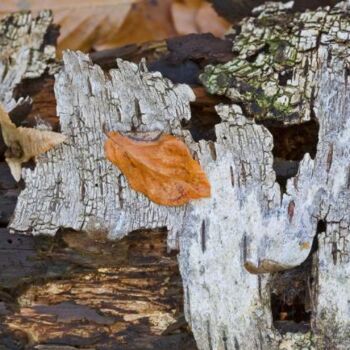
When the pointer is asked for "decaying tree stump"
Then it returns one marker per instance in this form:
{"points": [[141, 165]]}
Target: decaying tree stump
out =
{"points": [[265, 261]]}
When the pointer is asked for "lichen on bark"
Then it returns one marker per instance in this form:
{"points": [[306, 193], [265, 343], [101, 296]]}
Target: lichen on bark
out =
{"points": [[229, 244], [276, 61]]}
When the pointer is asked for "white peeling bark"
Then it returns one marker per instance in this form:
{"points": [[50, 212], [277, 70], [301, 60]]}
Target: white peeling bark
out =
{"points": [[246, 226], [90, 192], [332, 314], [228, 306]]}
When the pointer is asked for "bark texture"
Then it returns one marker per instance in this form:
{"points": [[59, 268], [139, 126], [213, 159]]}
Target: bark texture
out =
{"points": [[132, 98], [289, 69], [27, 50], [77, 290]]}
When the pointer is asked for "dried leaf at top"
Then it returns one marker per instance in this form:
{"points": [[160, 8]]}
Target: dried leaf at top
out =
{"points": [[102, 24], [82, 23], [197, 16], [162, 169]]}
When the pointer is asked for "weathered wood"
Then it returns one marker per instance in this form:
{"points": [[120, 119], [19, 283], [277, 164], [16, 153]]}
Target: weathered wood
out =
{"points": [[85, 291], [134, 283], [27, 50], [310, 52], [289, 69]]}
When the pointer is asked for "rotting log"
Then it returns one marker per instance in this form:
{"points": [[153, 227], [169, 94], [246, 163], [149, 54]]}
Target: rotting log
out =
{"points": [[33, 269], [85, 292], [77, 290], [288, 77]]}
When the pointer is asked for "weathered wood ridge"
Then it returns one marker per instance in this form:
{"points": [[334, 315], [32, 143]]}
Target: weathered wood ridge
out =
{"points": [[288, 69], [130, 292]]}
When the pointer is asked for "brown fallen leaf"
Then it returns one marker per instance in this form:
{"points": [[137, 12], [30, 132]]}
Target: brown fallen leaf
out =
{"points": [[197, 16], [102, 24], [207, 20], [184, 16], [83, 23], [162, 169], [25, 143], [146, 21]]}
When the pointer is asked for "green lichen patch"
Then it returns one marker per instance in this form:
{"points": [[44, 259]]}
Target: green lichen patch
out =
{"points": [[276, 58]]}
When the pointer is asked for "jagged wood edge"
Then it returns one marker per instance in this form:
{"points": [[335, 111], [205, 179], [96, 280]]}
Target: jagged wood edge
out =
{"points": [[245, 222], [24, 53]]}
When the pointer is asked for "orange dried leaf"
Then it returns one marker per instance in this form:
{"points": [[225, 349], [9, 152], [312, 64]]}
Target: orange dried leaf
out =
{"points": [[146, 21], [197, 16], [207, 20], [162, 169]]}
